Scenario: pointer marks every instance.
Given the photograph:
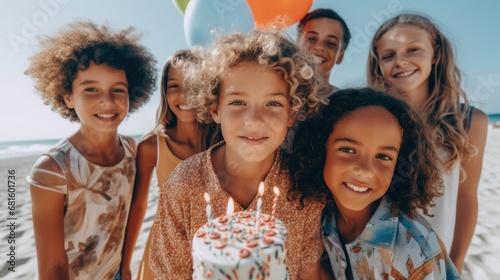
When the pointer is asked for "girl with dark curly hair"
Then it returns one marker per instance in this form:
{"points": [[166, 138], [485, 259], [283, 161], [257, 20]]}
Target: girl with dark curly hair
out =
{"points": [[81, 189], [368, 155]]}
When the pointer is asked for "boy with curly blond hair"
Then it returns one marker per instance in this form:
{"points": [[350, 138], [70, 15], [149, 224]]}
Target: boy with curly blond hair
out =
{"points": [[255, 86]]}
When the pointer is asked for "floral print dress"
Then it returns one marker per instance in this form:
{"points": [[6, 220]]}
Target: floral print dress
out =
{"points": [[97, 205]]}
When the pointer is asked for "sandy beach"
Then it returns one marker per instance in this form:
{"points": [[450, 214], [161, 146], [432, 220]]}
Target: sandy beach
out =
{"points": [[482, 261]]}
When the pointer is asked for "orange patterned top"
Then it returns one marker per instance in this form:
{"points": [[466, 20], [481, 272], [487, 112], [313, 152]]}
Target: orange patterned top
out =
{"points": [[181, 212]]}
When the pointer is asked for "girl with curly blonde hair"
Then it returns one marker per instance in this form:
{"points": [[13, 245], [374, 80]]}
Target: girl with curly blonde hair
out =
{"points": [[411, 57], [81, 189], [255, 86]]}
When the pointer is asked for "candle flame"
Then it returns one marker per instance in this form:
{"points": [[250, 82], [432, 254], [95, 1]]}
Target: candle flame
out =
{"points": [[261, 189], [230, 207], [276, 191], [207, 198]]}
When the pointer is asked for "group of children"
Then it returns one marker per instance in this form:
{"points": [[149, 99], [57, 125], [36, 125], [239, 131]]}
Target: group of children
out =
{"points": [[360, 174]]}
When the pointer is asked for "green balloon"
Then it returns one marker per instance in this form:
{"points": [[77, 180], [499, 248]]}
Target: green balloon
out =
{"points": [[181, 5]]}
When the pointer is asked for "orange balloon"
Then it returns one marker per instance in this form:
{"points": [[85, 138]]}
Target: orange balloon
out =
{"points": [[283, 13]]}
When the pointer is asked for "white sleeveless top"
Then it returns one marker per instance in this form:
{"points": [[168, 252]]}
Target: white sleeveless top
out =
{"points": [[445, 210], [97, 204]]}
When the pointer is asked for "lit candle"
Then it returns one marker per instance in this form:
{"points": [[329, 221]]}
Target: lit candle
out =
{"points": [[275, 202], [259, 205], [229, 212], [209, 213]]}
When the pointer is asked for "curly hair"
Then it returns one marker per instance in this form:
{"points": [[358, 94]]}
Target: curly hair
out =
{"points": [[165, 118], [270, 49], [442, 110], [416, 180], [61, 56]]}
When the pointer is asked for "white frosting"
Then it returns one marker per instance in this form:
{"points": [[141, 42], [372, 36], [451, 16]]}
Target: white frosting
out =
{"points": [[217, 257]]}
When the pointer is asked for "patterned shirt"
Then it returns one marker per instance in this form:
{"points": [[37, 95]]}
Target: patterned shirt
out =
{"points": [[97, 202], [389, 248], [181, 212]]}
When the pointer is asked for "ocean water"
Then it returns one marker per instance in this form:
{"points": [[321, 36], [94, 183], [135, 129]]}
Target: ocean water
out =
{"points": [[12, 149], [494, 118]]}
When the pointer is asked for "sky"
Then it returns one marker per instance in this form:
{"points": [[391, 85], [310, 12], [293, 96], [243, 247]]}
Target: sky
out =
{"points": [[472, 29]]}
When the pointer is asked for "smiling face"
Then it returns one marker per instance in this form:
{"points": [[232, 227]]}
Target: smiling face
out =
{"points": [[254, 112], [323, 38], [176, 97], [99, 97], [361, 156], [406, 57]]}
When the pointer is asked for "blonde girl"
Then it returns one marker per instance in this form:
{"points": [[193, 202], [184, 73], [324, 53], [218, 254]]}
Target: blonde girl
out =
{"points": [[176, 137], [410, 56]]}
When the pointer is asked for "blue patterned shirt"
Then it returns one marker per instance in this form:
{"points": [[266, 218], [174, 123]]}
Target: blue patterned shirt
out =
{"points": [[389, 248]]}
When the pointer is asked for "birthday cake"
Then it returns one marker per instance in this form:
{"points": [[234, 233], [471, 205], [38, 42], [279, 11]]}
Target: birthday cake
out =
{"points": [[248, 253]]}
